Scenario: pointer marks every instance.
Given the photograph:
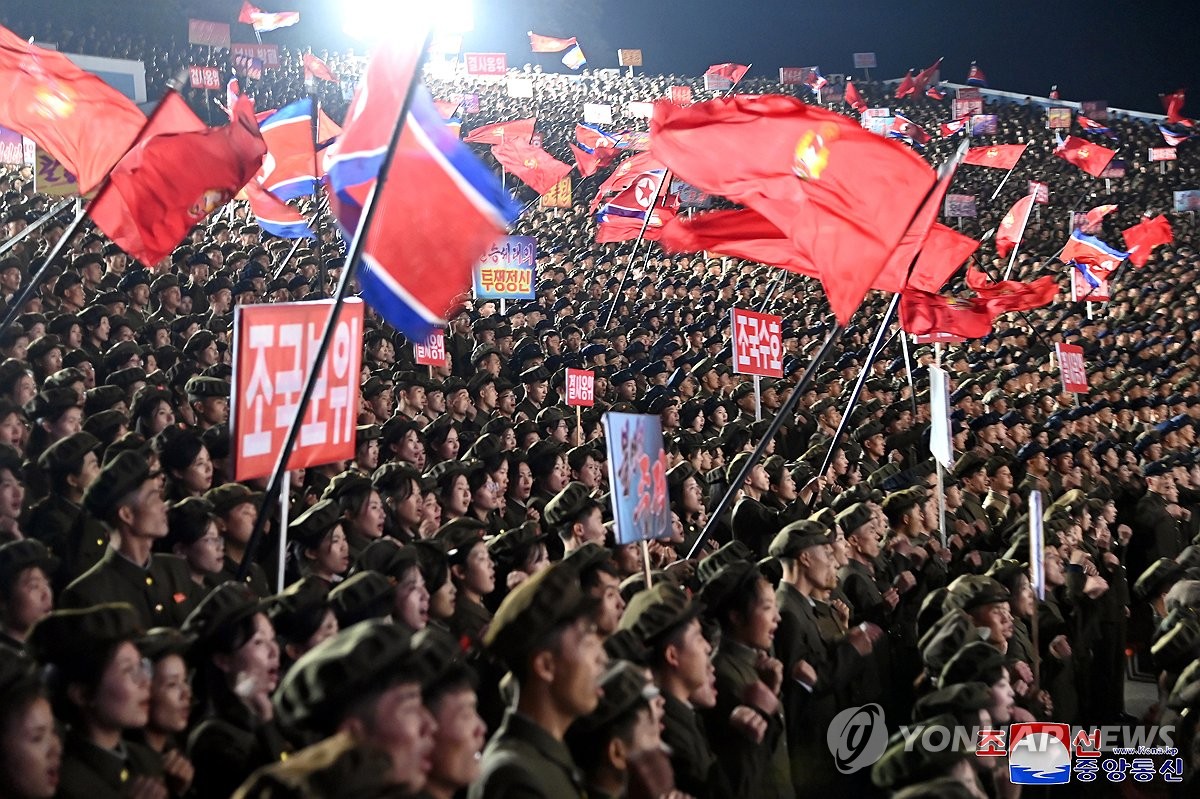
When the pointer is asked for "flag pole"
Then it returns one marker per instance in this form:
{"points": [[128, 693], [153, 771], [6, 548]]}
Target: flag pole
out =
{"points": [[789, 406], [912, 386], [316, 187], [663, 181], [339, 297], [39, 276], [1020, 237], [46, 217], [863, 371]]}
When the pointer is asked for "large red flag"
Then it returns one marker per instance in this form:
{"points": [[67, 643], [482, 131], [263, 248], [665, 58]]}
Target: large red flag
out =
{"points": [[1011, 295], [907, 86], [999, 156], [71, 114], [853, 98], [1094, 219], [842, 194], [922, 313], [549, 44], [1142, 238], [925, 76], [626, 228], [944, 252], [1012, 227], [169, 182], [516, 129], [1091, 158], [743, 233], [588, 163], [540, 170]]}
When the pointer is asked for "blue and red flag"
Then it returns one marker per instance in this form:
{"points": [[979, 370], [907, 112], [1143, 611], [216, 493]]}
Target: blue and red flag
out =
{"points": [[275, 216], [1089, 250], [1173, 138], [264, 21], [906, 130], [975, 75], [1091, 125], [437, 211], [290, 169]]}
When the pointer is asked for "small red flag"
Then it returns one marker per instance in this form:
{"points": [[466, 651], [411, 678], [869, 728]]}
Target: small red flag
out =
{"points": [[170, 181], [1011, 295], [955, 125], [549, 44], [588, 163], [742, 233], [907, 86], [316, 68], [922, 312], [625, 174], [1173, 105], [517, 130], [853, 98], [625, 228], [944, 252], [728, 70], [925, 77], [1094, 218], [998, 156], [1142, 238], [540, 170], [1012, 227], [1091, 158]]}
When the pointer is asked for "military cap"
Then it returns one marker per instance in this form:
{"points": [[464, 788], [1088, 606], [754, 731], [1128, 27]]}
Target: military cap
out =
{"points": [[511, 546], [200, 387], [164, 282], [228, 496], [66, 454], [188, 520], [51, 401], [882, 475], [125, 378], [16, 556], [373, 388], [971, 591], [1058, 448], [899, 502], [160, 642], [954, 699], [1156, 468], [624, 687], [731, 552], [66, 281], [225, 606], [70, 639], [120, 477], [537, 374], [310, 528], [655, 612], [104, 425], [1157, 578], [483, 351], [365, 659], [1189, 558], [198, 341], [623, 376], [298, 612], [968, 464], [1179, 644], [347, 484], [975, 662], [459, 537], [797, 537], [388, 558], [364, 595], [569, 504], [728, 582], [867, 430], [854, 517], [536, 607], [1030, 451], [903, 764], [132, 278]]}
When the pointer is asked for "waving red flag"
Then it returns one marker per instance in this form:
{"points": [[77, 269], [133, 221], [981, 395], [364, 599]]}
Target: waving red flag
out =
{"points": [[588, 163], [516, 130], [907, 86], [549, 44], [853, 98], [1091, 158], [1012, 227], [843, 195], [1094, 219], [1011, 295], [925, 76], [171, 181], [944, 252], [743, 233], [316, 68], [922, 312], [734, 72], [540, 170], [1173, 105], [71, 114], [626, 173], [1142, 238], [997, 156]]}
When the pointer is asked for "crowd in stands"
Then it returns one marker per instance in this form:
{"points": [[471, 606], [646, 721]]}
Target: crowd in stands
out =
{"points": [[457, 616]]}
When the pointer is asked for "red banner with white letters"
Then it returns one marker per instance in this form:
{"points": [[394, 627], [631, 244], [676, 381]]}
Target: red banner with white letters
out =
{"points": [[581, 388], [1072, 368], [757, 344], [431, 351]]}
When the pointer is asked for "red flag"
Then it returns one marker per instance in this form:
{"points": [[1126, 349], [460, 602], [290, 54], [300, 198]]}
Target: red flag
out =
{"points": [[907, 86], [1008, 235], [626, 228], [903, 127], [998, 156], [934, 93], [316, 68], [944, 252], [540, 170], [925, 76], [843, 195], [517, 129], [626, 173], [1011, 295], [1142, 238], [1091, 158], [922, 312], [853, 98], [1054, 92], [591, 137], [327, 129], [727, 70], [587, 163], [446, 107], [71, 114], [171, 181], [742, 233], [1173, 105], [549, 44], [1094, 218]]}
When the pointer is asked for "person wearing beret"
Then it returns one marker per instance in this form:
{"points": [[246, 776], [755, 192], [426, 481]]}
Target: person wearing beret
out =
{"points": [[78, 539], [56, 413], [237, 670], [473, 574], [399, 486], [30, 746], [461, 734], [319, 546], [366, 448], [26, 595], [100, 688], [543, 633], [126, 496], [361, 509], [970, 471], [194, 538], [302, 618], [235, 510], [576, 517], [752, 522], [170, 704], [208, 397]]}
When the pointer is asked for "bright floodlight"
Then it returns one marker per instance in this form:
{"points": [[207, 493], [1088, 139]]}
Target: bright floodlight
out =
{"points": [[376, 19]]}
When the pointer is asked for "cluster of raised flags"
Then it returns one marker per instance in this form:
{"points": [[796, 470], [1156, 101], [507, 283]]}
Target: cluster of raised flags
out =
{"points": [[316, 69], [264, 21], [912, 85], [638, 188], [573, 58]]}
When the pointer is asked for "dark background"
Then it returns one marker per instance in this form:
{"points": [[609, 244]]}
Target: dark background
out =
{"points": [[1116, 50]]}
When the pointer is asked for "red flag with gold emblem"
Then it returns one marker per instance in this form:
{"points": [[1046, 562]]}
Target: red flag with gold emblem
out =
{"points": [[1011, 295], [71, 114], [515, 130], [540, 170], [922, 313], [1091, 158], [170, 181], [1012, 227], [998, 156]]}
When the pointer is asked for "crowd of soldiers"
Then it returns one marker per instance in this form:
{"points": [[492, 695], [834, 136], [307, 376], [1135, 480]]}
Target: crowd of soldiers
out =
{"points": [[458, 616]]}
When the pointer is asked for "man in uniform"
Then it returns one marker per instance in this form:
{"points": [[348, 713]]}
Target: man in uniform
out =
{"points": [[58, 520]]}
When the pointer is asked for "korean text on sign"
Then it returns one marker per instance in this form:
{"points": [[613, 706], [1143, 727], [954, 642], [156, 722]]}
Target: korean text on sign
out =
{"points": [[581, 387], [486, 63], [506, 270], [432, 351], [276, 347], [757, 344], [207, 78], [1072, 368]]}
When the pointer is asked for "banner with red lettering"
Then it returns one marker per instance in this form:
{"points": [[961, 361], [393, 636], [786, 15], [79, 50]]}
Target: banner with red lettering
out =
{"points": [[581, 387], [506, 270], [1072, 368], [275, 348], [757, 344]]}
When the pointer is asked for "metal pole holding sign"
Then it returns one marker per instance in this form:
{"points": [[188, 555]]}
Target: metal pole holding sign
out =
{"points": [[285, 496], [758, 398]]}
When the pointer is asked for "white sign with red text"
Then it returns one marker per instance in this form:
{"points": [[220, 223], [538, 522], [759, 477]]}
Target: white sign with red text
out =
{"points": [[1072, 368]]}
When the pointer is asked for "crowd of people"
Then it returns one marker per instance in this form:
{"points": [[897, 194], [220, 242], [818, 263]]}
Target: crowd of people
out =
{"points": [[457, 616]]}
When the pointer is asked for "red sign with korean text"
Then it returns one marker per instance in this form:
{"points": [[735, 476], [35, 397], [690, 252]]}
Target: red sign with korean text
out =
{"points": [[268, 54], [431, 352], [581, 387], [275, 347], [681, 95], [1163, 154], [1072, 368], [208, 34], [757, 344], [207, 78], [486, 63]]}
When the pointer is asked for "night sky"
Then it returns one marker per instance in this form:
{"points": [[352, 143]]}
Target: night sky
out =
{"points": [[1121, 51]]}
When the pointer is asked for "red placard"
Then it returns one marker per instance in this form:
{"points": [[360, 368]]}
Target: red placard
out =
{"points": [[208, 78], [275, 349], [432, 352], [581, 387], [681, 95], [1040, 192], [268, 54], [1163, 154], [1072, 368], [757, 344], [486, 63], [791, 75], [208, 34]]}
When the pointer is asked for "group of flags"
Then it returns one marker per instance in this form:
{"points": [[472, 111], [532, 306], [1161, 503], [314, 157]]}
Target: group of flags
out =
{"points": [[573, 58]]}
